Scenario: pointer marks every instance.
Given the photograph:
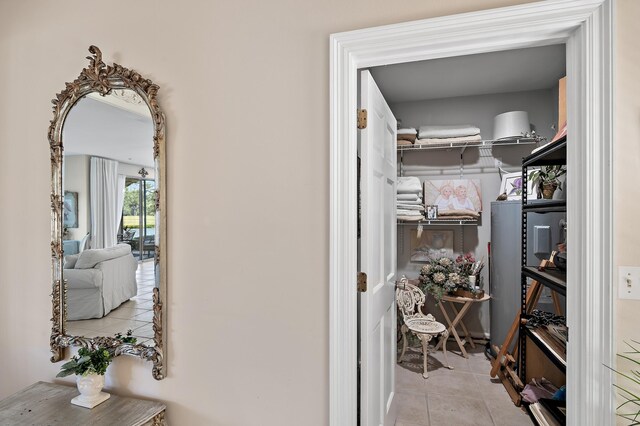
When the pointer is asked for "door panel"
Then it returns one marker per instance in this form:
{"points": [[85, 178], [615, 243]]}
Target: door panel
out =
{"points": [[378, 258]]}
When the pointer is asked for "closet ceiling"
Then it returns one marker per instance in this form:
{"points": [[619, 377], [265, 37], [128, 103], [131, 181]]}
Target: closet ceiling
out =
{"points": [[495, 72]]}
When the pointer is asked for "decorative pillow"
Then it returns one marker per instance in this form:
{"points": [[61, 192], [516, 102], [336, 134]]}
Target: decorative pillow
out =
{"points": [[70, 261], [91, 257]]}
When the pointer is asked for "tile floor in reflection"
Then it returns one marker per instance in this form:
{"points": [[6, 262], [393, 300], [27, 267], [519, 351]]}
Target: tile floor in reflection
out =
{"points": [[464, 396], [135, 314]]}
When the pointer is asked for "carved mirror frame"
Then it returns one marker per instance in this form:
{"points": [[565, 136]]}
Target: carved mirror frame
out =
{"points": [[101, 78]]}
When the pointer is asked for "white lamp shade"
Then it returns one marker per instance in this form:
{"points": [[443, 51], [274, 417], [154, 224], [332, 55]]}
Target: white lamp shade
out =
{"points": [[510, 125]]}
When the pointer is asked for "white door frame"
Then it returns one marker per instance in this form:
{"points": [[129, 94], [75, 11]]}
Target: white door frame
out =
{"points": [[587, 28]]}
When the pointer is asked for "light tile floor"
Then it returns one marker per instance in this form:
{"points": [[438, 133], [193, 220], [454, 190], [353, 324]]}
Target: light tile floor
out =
{"points": [[466, 395], [135, 314]]}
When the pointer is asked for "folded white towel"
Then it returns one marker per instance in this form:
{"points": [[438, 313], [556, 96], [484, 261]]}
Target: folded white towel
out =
{"points": [[408, 184], [410, 218], [410, 202], [447, 131], [409, 197], [405, 212], [410, 207], [407, 131], [446, 141]]}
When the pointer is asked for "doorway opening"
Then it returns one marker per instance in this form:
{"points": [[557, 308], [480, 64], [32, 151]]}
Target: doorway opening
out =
{"points": [[137, 225], [586, 28], [470, 96]]}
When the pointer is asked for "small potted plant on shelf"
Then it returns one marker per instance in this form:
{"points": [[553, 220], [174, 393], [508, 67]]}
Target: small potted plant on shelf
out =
{"points": [[546, 178], [90, 365]]}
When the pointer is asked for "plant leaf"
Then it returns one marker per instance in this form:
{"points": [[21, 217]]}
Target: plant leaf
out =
{"points": [[65, 373], [70, 364], [84, 359]]}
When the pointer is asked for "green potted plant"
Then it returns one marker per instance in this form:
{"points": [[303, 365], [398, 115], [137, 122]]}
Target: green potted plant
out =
{"points": [[90, 365], [546, 178], [630, 408]]}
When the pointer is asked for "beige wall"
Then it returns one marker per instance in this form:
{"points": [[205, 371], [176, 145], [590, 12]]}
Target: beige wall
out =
{"points": [[248, 271], [626, 169]]}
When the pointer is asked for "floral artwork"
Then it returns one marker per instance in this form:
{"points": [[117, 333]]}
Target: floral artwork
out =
{"points": [[431, 243], [453, 194], [513, 186]]}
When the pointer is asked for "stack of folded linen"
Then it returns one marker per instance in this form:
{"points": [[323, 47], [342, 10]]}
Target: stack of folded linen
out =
{"points": [[437, 135], [407, 136], [409, 199]]}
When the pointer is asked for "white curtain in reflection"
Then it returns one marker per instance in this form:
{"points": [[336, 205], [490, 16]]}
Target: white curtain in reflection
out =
{"points": [[120, 205], [104, 199]]}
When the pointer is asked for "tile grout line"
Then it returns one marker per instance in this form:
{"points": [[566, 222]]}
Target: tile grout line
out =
{"points": [[484, 402], [426, 401]]}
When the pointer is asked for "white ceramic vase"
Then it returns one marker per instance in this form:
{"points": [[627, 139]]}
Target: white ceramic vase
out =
{"points": [[90, 387]]}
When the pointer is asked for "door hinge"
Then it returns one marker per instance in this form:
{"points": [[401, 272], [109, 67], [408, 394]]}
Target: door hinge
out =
{"points": [[362, 282], [362, 119]]}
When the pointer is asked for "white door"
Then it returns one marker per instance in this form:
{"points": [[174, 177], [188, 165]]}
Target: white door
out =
{"points": [[377, 258]]}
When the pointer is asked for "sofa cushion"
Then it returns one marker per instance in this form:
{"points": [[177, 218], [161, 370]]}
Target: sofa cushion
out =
{"points": [[70, 261], [90, 258]]}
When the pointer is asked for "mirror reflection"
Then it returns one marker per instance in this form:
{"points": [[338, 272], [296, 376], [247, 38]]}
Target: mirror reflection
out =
{"points": [[109, 217]]}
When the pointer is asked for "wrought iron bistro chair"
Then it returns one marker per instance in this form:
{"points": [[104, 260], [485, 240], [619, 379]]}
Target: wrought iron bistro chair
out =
{"points": [[410, 301]]}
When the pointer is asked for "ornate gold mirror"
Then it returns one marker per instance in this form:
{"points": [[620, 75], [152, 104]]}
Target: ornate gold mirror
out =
{"points": [[108, 215]]}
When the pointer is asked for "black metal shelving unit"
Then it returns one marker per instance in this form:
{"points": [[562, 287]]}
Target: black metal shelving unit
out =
{"points": [[549, 347], [554, 153], [551, 278], [546, 207]]}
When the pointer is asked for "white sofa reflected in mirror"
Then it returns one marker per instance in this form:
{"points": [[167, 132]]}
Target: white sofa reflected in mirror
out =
{"points": [[99, 280]]}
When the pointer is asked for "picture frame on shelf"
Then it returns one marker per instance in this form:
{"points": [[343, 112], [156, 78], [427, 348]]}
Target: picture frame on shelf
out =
{"points": [[453, 194], [431, 244], [431, 212], [512, 186]]}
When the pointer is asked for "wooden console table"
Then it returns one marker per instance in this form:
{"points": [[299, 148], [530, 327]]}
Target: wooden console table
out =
{"points": [[47, 404], [466, 304]]}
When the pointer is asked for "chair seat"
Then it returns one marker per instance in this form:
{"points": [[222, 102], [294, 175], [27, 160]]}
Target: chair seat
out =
{"points": [[425, 326]]}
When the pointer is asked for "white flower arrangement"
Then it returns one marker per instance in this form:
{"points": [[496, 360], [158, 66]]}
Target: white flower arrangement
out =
{"points": [[444, 275]]}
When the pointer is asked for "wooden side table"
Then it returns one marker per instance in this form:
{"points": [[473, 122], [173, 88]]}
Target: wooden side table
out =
{"points": [[47, 404], [459, 315]]}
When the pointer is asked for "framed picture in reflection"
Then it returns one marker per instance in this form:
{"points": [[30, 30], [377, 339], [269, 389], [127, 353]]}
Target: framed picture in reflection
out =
{"points": [[70, 209]]}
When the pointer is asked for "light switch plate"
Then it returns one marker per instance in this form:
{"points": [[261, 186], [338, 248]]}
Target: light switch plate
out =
{"points": [[629, 282]]}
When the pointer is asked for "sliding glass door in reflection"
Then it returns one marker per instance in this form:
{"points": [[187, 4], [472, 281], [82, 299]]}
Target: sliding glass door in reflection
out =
{"points": [[139, 217]]}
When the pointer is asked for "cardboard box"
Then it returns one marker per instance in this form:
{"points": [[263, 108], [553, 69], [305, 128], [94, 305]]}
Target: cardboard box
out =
{"points": [[562, 102]]}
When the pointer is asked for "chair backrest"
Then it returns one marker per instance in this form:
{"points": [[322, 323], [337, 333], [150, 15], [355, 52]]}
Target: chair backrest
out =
{"points": [[84, 243], [410, 298]]}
